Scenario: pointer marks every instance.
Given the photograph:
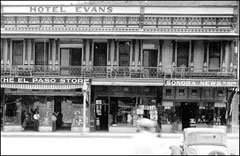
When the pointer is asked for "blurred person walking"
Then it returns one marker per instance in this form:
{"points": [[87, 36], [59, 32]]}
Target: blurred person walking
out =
{"points": [[146, 142]]}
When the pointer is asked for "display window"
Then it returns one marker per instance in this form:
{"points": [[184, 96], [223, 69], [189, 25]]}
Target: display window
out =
{"points": [[205, 113], [219, 114], [20, 109], [122, 111]]}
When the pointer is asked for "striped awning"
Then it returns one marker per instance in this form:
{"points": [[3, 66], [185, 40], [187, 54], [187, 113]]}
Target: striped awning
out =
{"points": [[40, 86]]}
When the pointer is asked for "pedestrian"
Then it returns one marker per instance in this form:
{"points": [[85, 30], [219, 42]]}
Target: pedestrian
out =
{"points": [[146, 142], [129, 119], [174, 121], [36, 118], [25, 121], [54, 121]]}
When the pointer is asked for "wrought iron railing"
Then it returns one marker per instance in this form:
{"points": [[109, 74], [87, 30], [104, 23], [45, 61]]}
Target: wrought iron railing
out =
{"points": [[118, 72]]}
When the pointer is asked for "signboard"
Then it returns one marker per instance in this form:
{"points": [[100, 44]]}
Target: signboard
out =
{"points": [[167, 103], [41, 80], [203, 83], [75, 9], [219, 104]]}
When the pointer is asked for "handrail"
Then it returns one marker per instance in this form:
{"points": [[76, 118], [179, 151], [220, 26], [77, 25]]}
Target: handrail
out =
{"points": [[118, 71]]}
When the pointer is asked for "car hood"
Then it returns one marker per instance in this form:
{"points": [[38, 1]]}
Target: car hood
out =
{"points": [[206, 149]]}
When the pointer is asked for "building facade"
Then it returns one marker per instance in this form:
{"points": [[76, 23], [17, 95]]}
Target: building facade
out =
{"points": [[103, 66]]}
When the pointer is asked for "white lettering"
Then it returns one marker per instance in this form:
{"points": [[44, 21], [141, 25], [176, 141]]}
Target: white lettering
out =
{"points": [[20, 80], [53, 80], [62, 80]]}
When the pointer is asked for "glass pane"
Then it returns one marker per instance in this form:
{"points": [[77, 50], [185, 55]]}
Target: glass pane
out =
{"points": [[100, 54], [41, 58], [17, 53], [182, 54], [124, 53]]}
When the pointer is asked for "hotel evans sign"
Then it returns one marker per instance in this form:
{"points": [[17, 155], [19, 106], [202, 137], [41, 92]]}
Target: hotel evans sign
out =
{"points": [[203, 83], [75, 9]]}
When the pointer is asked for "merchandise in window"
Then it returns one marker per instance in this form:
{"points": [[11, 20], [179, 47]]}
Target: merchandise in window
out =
{"points": [[122, 111]]}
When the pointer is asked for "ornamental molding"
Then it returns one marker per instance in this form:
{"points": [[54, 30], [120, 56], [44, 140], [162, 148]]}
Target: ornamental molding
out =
{"points": [[115, 29]]}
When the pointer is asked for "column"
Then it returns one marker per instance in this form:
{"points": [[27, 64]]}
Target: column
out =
{"points": [[5, 52], [115, 60], [54, 49], [29, 47], [235, 111], [50, 53], [227, 56], [137, 53], [25, 51], [33, 52], [132, 52], [84, 52], [9, 52], [84, 90], [140, 52], [87, 52]]}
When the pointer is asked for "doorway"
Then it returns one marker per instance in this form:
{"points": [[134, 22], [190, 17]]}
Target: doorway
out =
{"points": [[189, 112], [71, 57], [182, 54], [100, 54], [102, 111]]}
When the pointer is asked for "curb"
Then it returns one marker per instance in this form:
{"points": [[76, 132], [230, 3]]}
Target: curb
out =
{"points": [[93, 135]]}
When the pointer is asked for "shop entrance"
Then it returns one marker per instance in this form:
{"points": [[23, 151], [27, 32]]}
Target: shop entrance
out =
{"points": [[102, 111], [189, 110]]}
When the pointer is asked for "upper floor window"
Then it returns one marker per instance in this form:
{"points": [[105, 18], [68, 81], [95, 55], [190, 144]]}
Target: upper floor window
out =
{"points": [[41, 53], [182, 54], [124, 53], [17, 53], [214, 55]]}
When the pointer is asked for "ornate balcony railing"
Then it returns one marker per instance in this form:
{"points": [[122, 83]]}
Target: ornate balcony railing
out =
{"points": [[118, 72], [158, 23]]}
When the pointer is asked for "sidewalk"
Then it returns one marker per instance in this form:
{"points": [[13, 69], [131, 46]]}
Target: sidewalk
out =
{"points": [[94, 134]]}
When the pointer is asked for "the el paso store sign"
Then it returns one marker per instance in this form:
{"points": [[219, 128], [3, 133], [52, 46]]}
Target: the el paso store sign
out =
{"points": [[77, 9], [39, 80]]}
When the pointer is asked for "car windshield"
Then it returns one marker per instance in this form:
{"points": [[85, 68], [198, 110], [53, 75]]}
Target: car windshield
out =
{"points": [[206, 139]]}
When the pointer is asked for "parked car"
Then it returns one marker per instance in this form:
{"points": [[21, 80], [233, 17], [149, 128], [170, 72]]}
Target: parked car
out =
{"points": [[202, 141]]}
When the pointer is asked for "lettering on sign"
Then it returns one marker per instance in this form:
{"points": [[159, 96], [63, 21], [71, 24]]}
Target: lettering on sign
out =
{"points": [[77, 9], [200, 83], [42, 80]]}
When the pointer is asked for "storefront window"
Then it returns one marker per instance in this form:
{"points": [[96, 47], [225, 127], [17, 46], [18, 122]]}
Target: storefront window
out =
{"points": [[167, 112], [122, 111], [205, 113], [219, 114]]}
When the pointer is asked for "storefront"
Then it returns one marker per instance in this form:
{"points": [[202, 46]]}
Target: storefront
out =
{"points": [[117, 108], [195, 103], [64, 96]]}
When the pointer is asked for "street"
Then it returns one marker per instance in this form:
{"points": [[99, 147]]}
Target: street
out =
{"points": [[72, 145]]}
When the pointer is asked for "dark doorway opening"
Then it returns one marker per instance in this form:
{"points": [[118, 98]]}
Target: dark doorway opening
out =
{"points": [[100, 54], [189, 111], [102, 111]]}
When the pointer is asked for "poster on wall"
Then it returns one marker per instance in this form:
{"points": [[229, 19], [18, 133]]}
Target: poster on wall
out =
{"points": [[140, 111]]}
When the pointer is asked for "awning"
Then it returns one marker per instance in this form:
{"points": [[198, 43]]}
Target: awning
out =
{"points": [[40, 86]]}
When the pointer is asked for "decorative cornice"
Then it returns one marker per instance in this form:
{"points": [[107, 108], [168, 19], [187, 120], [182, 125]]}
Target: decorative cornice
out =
{"points": [[116, 29]]}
